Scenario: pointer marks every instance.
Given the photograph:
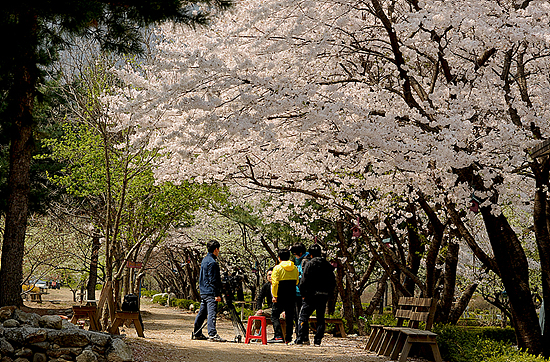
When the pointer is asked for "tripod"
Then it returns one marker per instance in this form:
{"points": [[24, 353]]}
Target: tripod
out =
{"points": [[238, 326]]}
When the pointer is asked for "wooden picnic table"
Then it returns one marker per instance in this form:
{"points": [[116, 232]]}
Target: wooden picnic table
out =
{"points": [[36, 296]]}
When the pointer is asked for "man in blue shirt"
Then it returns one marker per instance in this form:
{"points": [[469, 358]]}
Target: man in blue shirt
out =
{"points": [[210, 286], [300, 256]]}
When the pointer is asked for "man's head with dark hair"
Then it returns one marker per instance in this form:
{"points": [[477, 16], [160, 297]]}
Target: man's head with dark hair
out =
{"points": [[283, 254], [212, 245], [315, 250], [298, 249]]}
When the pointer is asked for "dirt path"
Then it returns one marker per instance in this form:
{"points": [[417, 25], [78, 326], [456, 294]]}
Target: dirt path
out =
{"points": [[168, 338]]}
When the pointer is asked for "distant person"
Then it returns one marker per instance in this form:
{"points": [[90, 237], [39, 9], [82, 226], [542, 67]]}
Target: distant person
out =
{"points": [[300, 256], [264, 295], [316, 286], [210, 286], [283, 290]]}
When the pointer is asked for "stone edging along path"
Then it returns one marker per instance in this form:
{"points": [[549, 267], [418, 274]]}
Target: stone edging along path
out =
{"points": [[26, 337]]}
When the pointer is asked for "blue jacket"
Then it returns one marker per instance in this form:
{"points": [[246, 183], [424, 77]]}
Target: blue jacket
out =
{"points": [[210, 279], [299, 265]]}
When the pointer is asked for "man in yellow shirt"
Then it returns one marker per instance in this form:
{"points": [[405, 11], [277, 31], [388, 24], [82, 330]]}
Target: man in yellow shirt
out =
{"points": [[283, 289]]}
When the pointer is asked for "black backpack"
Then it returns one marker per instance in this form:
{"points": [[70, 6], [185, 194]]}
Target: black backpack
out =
{"points": [[130, 303]]}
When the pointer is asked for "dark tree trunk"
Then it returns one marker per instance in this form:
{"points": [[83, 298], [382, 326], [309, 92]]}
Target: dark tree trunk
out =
{"points": [[514, 271], [344, 291], [20, 106], [542, 233], [378, 295], [416, 249], [94, 259], [192, 269], [433, 249], [446, 302], [461, 305]]}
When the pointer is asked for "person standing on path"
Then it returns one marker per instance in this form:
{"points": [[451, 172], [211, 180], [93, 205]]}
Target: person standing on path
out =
{"points": [[300, 257], [283, 289], [210, 289], [316, 286]]}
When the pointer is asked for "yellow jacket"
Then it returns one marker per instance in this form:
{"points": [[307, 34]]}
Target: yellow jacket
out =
{"points": [[284, 272]]}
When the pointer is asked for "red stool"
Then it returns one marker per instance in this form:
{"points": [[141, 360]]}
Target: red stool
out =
{"points": [[250, 325]]}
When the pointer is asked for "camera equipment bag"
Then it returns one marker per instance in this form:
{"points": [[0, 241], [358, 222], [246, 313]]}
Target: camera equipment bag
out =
{"points": [[130, 303]]}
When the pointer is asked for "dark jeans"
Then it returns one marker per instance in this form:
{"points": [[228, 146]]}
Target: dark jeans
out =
{"points": [[286, 305], [317, 303], [299, 304], [207, 309]]}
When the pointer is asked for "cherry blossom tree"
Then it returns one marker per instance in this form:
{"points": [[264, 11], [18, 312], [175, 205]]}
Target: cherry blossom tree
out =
{"points": [[369, 107]]}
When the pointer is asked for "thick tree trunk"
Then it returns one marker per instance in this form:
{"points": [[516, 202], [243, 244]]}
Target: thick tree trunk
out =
{"points": [[514, 271], [344, 291], [542, 233], [416, 249], [446, 302], [20, 107], [437, 228], [192, 269]]}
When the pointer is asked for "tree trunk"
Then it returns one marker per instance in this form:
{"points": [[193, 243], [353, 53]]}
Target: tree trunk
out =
{"points": [[416, 249], [463, 302], [542, 233], [92, 279], [19, 112], [446, 302], [378, 295], [514, 271]]}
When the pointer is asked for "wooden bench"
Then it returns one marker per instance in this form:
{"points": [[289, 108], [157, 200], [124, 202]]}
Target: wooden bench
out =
{"points": [[121, 317], [397, 341], [338, 322], [36, 296], [86, 312]]}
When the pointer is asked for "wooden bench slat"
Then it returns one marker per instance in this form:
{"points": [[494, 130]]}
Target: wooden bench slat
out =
{"points": [[394, 341]]}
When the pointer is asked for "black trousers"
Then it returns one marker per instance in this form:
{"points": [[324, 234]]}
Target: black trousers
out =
{"points": [[286, 305], [317, 303], [298, 308]]}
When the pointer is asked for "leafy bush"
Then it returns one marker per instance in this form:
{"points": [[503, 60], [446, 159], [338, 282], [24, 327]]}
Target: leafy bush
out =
{"points": [[483, 344], [386, 319], [184, 303], [148, 293], [162, 300]]}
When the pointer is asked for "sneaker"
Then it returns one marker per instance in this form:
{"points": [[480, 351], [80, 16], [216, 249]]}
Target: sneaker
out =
{"points": [[198, 337], [276, 340], [295, 343], [317, 344], [216, 338]]}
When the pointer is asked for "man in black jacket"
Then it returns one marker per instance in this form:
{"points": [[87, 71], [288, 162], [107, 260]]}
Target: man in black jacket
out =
{"points": [[316, 286], [210, 286]]}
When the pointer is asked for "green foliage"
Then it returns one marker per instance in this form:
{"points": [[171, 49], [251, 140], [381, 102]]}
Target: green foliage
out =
{"points": [[386, 319], [162, 300], [148, 293], [174, 302], [460, 344], [184, 303]]}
